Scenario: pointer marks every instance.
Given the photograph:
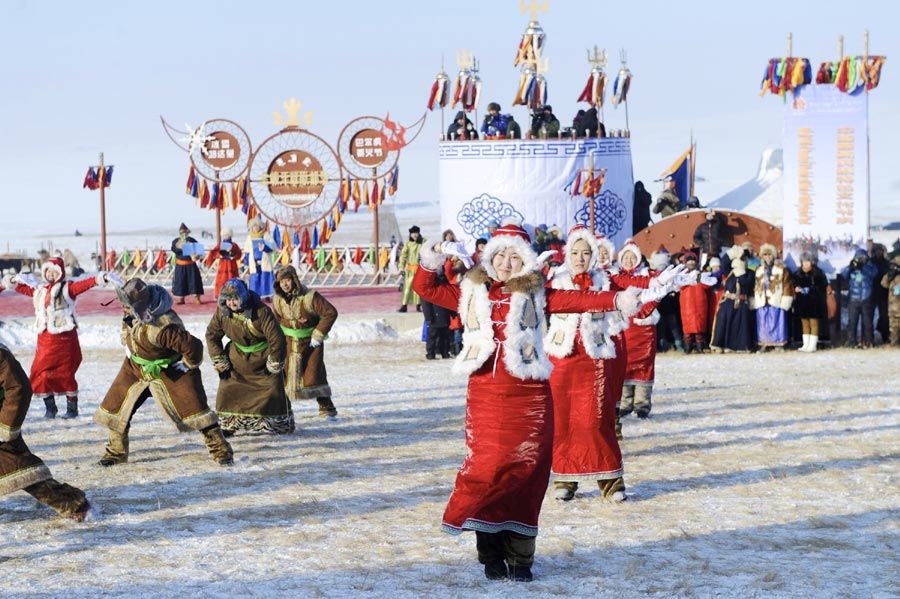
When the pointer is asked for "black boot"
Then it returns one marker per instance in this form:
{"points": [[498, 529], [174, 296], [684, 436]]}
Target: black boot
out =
{"points": [[50, 404], [402, 308], [520, 573], [496, 570], [71, 407]]}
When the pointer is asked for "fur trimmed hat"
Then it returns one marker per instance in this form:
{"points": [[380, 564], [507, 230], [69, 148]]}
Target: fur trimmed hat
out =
{"points": [[603, 242], [55, 264], [227, 233], [510, 235], [630, 246], [736, 252], [255, 222], [768, 248], [582, 233], [235, 289], [145, 302]]}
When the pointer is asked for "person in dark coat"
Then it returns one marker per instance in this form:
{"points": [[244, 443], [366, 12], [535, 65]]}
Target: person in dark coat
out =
{"points": [[19, 468], [879, 294], [544, 123], [860, 277], [810, 289], [640, 214], [586, 123], [709, 235], [513, 129], [251, 394], [187, 279], [461, 128], [732, 326], [162, 361]]}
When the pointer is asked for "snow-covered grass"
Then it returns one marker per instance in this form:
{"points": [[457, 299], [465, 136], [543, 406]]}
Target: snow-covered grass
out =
{"points": [[770, 475]]}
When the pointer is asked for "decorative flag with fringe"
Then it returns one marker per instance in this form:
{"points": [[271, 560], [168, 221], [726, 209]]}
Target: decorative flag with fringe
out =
{"points": [[204, 194], [305, 243], [111, 260], [440, 91], [189, 186], [620, 87], [160, 262], [358, 255], [97, 177], [395, 178], [678, 177], [784, 75], [593, 90], [365, 193], [315, 239], [276, 237], [356, 198]]}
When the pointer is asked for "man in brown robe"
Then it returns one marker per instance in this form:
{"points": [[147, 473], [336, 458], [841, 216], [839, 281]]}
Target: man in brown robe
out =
{"points": [[306, 318], [162, 360], [19, 468], [251, 389]]}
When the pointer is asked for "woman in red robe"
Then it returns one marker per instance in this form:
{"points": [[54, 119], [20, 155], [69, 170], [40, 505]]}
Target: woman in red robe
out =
{"points": [[582, 349], [228, 254], [58, 353], [509, 409]]}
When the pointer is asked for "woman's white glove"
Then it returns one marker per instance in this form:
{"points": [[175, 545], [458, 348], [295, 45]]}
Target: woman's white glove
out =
{"points": [[314, 342], [115, 279], [628, 302], [708, 279], [669, 274], [654, 294], [457, 250]]}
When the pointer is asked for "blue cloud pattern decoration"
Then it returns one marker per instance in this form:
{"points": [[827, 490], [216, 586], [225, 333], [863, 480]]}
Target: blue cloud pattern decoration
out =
{"points": [[610, 213], [475, 214]]}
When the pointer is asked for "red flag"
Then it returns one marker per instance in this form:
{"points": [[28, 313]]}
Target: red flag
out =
{"points": [[190, 182], [161, 260]]}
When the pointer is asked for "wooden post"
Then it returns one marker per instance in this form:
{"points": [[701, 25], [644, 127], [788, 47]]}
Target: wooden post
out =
{"points": [[218, 215], [375, 253], [840, 48], [591, 174], [790, 44], [103, 265]]}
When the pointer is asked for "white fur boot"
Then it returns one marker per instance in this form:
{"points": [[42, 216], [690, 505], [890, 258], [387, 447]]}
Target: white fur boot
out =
{"points": [[805, 347], [813, 343]]}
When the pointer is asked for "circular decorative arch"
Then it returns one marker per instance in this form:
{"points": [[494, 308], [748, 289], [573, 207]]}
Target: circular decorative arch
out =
{"points": [[364, 147], [295, 177], [224, 151]]}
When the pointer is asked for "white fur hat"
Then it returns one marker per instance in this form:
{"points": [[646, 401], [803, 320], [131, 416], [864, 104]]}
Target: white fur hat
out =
{"points": [[227, 233], [735, 252], [603, 242], [630, 246], [577, 233], [509, 235]]}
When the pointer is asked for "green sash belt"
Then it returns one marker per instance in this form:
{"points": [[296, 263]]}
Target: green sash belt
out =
{"points": [[152, 368], [249, 349], [298, 333]]}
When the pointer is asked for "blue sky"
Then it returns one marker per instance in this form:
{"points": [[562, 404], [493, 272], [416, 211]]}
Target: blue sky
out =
{"points": [[85, 77]]}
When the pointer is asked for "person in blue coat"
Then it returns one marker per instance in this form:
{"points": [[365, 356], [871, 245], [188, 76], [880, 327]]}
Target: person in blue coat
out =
{"points": [[860, 276], [495, 124]]}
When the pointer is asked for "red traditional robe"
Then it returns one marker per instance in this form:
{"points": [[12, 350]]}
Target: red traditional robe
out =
{"points": [[509, 422]]}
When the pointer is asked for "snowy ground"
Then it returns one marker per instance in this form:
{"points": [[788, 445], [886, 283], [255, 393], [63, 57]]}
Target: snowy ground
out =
{"points": [[771, 475]]}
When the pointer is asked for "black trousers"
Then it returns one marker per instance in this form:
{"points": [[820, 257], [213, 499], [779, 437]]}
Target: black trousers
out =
{"points": [[864, 310], [516, 549]]}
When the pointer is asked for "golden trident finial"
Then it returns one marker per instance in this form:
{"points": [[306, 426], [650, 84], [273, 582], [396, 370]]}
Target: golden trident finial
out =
{"points": [[466, 61], [534, 7], [598, 59], [292, 107]]}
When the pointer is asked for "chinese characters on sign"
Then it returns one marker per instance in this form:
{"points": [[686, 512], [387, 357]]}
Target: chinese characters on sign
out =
{"points": [[367, 148], [295, 178], [845, 155], [222, 151], [804, 176]]}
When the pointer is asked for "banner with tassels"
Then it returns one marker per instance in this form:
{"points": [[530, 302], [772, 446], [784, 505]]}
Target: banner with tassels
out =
{"points": [[785, 75], [620, 87], [594, 88], [440, 91], [97, 177], [853, 74], [467, 90]]}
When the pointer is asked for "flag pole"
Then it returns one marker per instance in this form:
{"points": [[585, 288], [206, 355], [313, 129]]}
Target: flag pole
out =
{"points": [[103, 265]]}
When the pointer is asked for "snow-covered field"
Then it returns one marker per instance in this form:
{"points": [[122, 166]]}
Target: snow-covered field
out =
{"points": [[769, 475]]}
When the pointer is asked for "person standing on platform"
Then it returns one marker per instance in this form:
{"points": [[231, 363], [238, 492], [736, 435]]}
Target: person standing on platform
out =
{"points": [[258, 251], [19, 468], [162, 360], [409, 263], [509, 408], [251, 394], [494, 125], [58, 353], [305, 318], [228, 254], [187, 279], [544, 124], [461, 128]]}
